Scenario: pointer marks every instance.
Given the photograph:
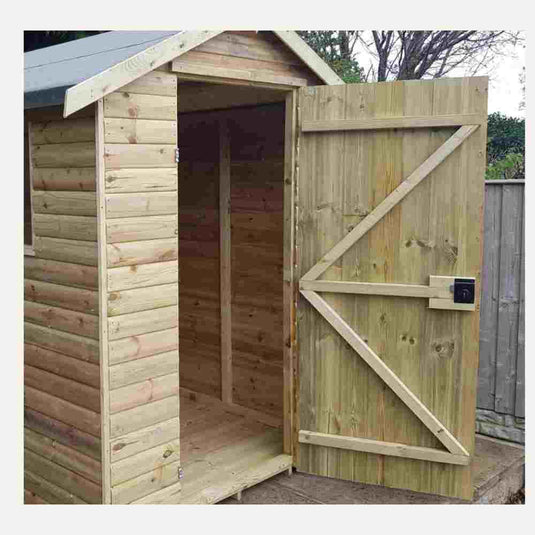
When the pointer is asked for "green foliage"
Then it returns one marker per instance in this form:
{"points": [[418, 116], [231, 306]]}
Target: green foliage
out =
{"points": [[505, 147], [335, 47], [508, 168], [506, 135]]}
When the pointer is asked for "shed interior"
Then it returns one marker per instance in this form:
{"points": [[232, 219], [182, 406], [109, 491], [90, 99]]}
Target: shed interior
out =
{"points": [[228, 436]]}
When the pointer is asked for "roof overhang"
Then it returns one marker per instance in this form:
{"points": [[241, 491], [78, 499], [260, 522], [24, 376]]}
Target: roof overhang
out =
{"points": [[105, 82]]}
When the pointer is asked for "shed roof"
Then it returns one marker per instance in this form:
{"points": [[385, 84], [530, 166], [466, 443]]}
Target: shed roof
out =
{"points": [[80, 72], [50, 71]]}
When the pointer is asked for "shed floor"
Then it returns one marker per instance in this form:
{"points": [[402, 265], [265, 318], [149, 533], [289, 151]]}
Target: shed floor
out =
{"points": [[223, 452]]}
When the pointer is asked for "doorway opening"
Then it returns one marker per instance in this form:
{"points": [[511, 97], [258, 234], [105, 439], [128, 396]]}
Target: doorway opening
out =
{"points": [[231, 301]]}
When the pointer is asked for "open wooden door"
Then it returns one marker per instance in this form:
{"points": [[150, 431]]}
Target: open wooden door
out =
{"points": [[390, 197]]}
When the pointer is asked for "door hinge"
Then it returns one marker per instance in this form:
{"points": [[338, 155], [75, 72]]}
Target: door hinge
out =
{"points": [[180, 472], [177, 155]]}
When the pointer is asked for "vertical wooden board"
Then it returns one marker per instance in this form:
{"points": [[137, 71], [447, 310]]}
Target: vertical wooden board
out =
{"points": [[316, 380], [521, 358], [103, 302], [509, 299], [289, 282], [489, 297], [225, 275]]}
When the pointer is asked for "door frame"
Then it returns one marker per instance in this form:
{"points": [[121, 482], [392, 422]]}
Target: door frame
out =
{"points": [[290, 284]]}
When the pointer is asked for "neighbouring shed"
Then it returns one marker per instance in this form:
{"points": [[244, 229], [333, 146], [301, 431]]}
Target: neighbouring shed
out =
{"points": [[193, 203]]}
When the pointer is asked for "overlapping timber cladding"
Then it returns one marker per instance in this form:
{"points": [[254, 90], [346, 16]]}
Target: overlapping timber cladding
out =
{"points": [[317, 248], [62, 420]]}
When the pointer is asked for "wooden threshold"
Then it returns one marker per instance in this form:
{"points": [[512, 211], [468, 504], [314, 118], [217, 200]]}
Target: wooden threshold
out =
{"points": [[222, 452]]}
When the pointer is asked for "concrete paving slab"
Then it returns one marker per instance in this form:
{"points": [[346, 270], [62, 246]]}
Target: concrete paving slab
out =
{"points": [[498, 473]]}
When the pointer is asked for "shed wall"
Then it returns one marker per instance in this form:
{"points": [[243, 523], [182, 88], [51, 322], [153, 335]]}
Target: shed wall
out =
{"points": [[62, 450], [141, 204]]}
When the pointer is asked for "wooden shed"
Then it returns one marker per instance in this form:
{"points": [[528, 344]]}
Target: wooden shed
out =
{"points": [[235, 264]]}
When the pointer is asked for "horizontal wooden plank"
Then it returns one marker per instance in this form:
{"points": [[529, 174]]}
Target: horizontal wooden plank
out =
{"points": [[65, 226], [142, 252], [145, 368], [128, 277], [73, 251], [144, 439], [134, 180], [62, 477], [55, 113], [250, 75], [135, 347], [142, 322], [153, 389], [77, 203], [62, 410], [122, 104], [61, 387], [448, 304], [253, 45], [381, 448], [63, 455], [63, 273], [168, 495], [64, 178], [141, 204], [69, 344], [138, 299], [61, 296], [64, 155], [153, 83], [61, 319], [70, 131], [135, 131], [145, 484], [141, 228], [379, 123], [515, 182], [146, 461], [146, 415], [50, 492], [376, 288], [52, 361], [63, 433], [118, 155], [210, 97]]}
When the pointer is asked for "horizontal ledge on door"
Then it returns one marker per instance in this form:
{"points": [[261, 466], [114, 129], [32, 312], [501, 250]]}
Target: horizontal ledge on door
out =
{"points": [[439, 292], [380, 123], [381, 448], [375, 288]]}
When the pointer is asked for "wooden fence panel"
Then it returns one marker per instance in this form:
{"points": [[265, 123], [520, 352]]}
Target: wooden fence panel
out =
{"points": [[501, 357]]}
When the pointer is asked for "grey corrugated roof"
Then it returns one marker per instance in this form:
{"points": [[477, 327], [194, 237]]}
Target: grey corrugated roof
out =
{"points": [[50, 71]]}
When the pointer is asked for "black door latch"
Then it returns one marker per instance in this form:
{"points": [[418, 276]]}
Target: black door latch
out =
{"points": [[464, 291]]}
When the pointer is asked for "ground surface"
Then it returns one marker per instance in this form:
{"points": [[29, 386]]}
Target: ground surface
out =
{"points": [[498, 477]]}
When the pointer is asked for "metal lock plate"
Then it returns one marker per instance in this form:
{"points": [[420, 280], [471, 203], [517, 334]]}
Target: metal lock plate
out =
{"points": [[464, 291]]}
